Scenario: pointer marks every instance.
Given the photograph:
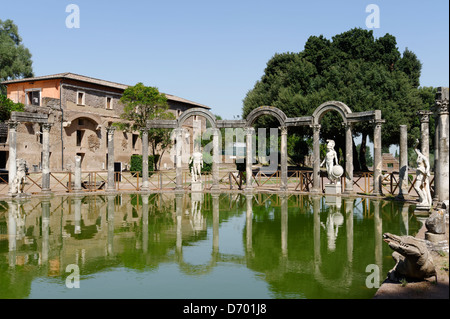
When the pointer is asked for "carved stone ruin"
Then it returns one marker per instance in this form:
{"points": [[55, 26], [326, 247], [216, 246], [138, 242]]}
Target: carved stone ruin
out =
{"points": [[334, 171], [422, 184], [18, 183]]}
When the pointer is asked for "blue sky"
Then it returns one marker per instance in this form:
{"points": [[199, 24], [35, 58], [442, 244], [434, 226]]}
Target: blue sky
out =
{"points": [[212, 52]]}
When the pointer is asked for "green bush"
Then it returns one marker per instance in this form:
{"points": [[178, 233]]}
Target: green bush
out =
{"points": [[136, 164]]}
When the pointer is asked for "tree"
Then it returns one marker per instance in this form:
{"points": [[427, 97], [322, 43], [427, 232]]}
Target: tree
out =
{"points": [[15, 59], [7, 106], [355, 68], [143, 103]]}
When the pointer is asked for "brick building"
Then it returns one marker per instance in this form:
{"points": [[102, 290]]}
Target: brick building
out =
{"points": [[80, 108]]}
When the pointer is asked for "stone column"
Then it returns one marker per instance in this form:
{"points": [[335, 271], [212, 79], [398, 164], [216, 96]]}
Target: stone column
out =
{"points": [[403, 174], [436, 159], [316, 161], [284, 168], [348, 158], [249, 131], [12, 141], [443, 144], [378, 162], [110, 133], [77, 182], [178, 159], [216, 160], [46, 157], [425, 132], [144, 132]]}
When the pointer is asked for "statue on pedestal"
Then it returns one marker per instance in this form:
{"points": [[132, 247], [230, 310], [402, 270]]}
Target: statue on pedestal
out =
{"points": [[334, 171], [18, 182], [197, 165], [422, 184]]}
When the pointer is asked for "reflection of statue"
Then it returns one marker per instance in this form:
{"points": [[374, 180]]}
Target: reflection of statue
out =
{"points": [[197, 164], [196, 218], [334, 171], [334, 221], [422, 184], [18, 182]]}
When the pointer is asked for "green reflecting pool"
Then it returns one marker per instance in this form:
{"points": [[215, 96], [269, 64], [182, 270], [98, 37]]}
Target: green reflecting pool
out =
{"points": [[196, 246]]}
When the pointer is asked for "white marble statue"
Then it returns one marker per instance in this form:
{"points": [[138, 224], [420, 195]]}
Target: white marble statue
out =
{"points": [[197, 165], [334, 171], [19, 180], [422, 184]]}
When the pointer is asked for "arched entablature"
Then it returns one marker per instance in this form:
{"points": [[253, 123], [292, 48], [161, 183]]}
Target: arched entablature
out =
{"points": [[266, 110], [197, 111], [340, 107]]}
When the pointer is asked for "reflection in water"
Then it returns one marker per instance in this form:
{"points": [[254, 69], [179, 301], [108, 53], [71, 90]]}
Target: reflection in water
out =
{"points": [[260, 245]]}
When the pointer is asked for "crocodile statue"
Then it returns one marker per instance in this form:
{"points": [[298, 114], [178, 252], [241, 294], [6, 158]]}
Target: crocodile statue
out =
{"points": [[413, 260]]}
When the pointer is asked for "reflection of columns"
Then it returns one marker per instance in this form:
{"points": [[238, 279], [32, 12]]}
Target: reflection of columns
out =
{"points": [[12, 141], [284, 224], [316, 159], [425, 132], [316, 233], [249, 222], [179, 151], [77, 204], [348, 158], [249, 131], [284, 168], [378, 162], [45, 205], [349, 227], [215, 206], [216, 160], [378, 235], [405, 220], [46, 157], [403, 174], [145, 223], [110, 212], [110, 135], [12, 233], [144, 132], [179, 212]]}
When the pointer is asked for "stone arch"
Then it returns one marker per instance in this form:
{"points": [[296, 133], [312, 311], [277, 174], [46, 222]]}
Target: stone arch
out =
{"points": [[197, 111], [340, 107], [266, 110], [93, 117]]}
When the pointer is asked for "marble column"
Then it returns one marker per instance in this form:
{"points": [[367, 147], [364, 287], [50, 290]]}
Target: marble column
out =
{"points": [[46, 157], [443, 146], [425, 132], [110, 135], [12, 141], [284, 167], [348, 158], [316, 159], [249, 158], [378, 161], [436, 159], [216, 160], [403, 172], [77, 182], [145, 186], [178, 159]]}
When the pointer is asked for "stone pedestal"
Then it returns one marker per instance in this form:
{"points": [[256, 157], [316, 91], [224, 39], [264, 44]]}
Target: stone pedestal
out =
{"points": [[333, 189], [197, 187]]}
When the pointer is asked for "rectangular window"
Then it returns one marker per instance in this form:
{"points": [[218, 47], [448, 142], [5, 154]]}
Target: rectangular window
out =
{"points": [[390, 165], [80, 134], [109, 103], [33, 97], [81, 98]]}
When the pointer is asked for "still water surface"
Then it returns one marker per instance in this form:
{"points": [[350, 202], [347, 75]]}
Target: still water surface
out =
{"points": [[196, 246]]}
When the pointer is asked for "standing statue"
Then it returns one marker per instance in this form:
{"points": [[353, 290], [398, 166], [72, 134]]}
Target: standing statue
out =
{"points": [[422, 184], [197, 165], [19, 180], [334, 171]]}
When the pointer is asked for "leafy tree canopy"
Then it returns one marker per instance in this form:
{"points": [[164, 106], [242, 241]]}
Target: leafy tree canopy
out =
{"points": [[353, 67], [7, 106], [15, 59]]}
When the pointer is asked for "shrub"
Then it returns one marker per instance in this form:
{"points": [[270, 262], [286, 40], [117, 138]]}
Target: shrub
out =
{"points": [[136, 164]]}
